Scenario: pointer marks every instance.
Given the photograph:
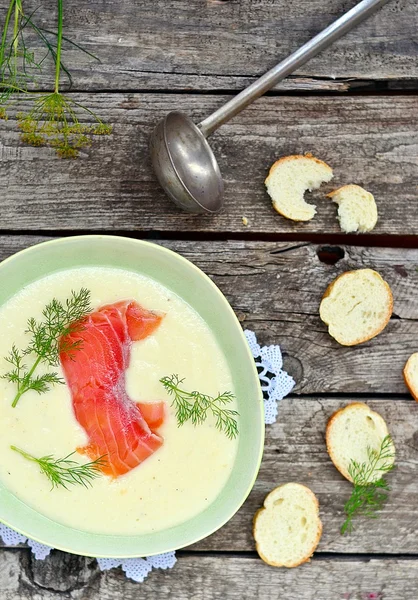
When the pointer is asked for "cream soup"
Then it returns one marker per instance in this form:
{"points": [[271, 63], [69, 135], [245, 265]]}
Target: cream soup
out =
{"points": [[174, 484]]}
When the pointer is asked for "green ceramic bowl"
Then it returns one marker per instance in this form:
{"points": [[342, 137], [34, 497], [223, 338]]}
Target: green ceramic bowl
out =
{"points": [[186, 280]]}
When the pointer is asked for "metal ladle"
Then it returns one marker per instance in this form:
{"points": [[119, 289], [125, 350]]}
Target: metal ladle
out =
{"points": [[181, 156]]}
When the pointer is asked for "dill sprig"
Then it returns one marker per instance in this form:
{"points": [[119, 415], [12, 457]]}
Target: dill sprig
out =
{"points": [[195, 406], [16, 60], [18, 64], [59, 319], [63, 472], [370, 490], [54, 119]]}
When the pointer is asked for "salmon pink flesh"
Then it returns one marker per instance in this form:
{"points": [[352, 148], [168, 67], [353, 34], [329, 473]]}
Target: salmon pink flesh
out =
{"points": [[120, 430]]}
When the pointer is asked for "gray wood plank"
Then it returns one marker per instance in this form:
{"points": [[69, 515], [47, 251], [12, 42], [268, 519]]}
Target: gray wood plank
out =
{"points": [[275, 289], [166, 45], [368, 140], [210, 577]]}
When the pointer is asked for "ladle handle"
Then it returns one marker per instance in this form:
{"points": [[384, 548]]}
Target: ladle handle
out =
{"points": [[336, 30]]}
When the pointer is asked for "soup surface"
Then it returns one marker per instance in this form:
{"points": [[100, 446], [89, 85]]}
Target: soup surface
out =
{"points": [[174, 484]]}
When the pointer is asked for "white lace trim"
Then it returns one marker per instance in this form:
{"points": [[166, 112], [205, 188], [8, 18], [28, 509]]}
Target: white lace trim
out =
{"points": [[276, 386], [275, 383], [139, 568], [12, 538]]}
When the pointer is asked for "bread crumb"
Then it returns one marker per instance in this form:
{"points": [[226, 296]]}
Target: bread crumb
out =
{"points": [[245, 221], [410, 374], [288, 528], [357, 210], [356, 306], [288, 180]]}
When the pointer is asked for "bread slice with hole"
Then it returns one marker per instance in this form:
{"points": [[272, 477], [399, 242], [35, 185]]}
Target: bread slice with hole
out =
{"points": [[410, 373], [350, 432], [288, 180], [356, 306], [287, 529], [357, 210]]}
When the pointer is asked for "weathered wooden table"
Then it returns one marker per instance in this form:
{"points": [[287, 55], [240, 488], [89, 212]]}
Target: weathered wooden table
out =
{"points": [[355, 106]]}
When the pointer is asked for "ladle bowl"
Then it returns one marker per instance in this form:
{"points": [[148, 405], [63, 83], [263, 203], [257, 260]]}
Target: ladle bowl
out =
{"points": [[186, 165]]}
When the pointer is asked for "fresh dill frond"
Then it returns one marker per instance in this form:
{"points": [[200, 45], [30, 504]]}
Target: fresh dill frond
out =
{"points": [[63, 472], [370, 491], [58, 321], [14, 56], [195, 406], [18, 64], [54, 119], [47, 342]]}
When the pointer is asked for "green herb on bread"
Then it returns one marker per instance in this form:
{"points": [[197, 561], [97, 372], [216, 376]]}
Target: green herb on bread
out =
{"points": [[369, 493], [361, 448]]}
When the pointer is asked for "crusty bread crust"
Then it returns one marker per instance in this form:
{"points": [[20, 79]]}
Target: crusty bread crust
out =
{"points": [[343, 187], [375, 332], [286, 217], [328, 434], [289, 158], [306, 558], [408, 381], [297, 157]]}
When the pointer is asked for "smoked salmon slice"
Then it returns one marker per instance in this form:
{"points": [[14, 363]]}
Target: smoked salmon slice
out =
{"points": [[117, 427]]}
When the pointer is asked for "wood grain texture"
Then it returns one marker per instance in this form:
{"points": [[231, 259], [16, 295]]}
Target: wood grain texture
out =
{"points": [[367, 140], [275, 290], [202, 44], [211, 578]]}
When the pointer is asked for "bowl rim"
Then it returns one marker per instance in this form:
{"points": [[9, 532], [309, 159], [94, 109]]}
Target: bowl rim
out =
{"points": [[260, 404]]}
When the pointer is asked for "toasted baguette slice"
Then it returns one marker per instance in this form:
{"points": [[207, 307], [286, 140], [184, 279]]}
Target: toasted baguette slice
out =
{"points": [[288, 180], [356, 306], [410, 373], [288, 529], [357, 210], [350, 432]]}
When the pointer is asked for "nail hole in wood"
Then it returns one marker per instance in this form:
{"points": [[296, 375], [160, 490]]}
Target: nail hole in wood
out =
{"points": [[330, 255]]}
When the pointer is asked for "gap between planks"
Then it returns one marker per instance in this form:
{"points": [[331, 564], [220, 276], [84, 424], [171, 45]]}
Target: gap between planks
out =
{"points": [[343, 239], [317, 556], [342, 87]]}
